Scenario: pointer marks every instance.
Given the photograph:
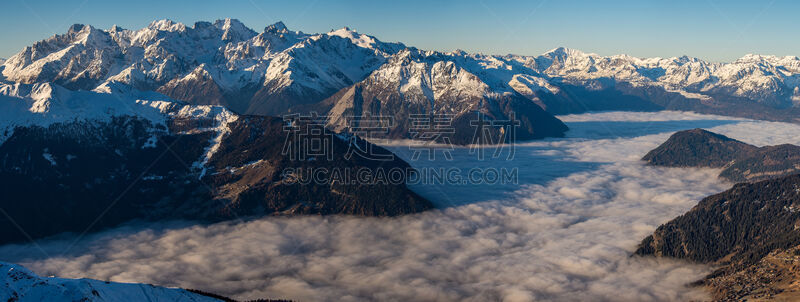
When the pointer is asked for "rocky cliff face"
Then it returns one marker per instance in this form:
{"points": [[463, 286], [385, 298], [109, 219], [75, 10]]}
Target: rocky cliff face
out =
{"points": [[740, 162]]}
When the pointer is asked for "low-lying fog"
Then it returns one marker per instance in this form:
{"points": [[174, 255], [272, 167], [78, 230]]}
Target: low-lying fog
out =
{"points": [[564, 232]]}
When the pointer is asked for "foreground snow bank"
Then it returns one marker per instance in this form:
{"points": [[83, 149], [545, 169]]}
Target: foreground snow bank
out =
{"points": [[20, 284]]}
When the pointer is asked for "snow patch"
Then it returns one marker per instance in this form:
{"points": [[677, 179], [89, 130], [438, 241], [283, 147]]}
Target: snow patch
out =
{"points": [[151, 142], [49, 157], [527, 85], [222, 118], [153, 177]]}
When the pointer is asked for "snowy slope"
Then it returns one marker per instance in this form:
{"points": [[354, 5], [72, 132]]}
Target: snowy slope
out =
{"points": [[19, 284], [44, 104]]}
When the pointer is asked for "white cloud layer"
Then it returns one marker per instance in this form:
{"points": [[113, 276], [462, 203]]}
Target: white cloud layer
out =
{"points": [[621, 116], [564, 234]]}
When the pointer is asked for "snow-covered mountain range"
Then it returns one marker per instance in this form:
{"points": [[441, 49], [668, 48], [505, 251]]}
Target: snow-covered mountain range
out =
{"points": [[274, 72], [768, 79], [277, 70]]}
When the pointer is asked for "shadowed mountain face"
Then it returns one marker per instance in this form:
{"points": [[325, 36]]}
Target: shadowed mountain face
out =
{"points": [[739, 225], [736, 229], [260, 169], [741, 162], [88, 175]]}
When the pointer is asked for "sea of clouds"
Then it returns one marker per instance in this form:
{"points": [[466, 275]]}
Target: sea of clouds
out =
{"points": [[565, 232]]}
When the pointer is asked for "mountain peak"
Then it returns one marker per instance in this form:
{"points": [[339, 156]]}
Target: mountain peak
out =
{"points": [[750, 57], [684, 59], [561, 50], [166, 25], [361, 40], [77, 28], [228, 23], [276, 27], [234, 30], [458, 52], [344, 32], [115, 28], [86, 34], [564, 52]]}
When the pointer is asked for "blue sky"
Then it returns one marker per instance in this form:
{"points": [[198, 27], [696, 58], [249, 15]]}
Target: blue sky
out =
{"points": [[710, 29]]}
